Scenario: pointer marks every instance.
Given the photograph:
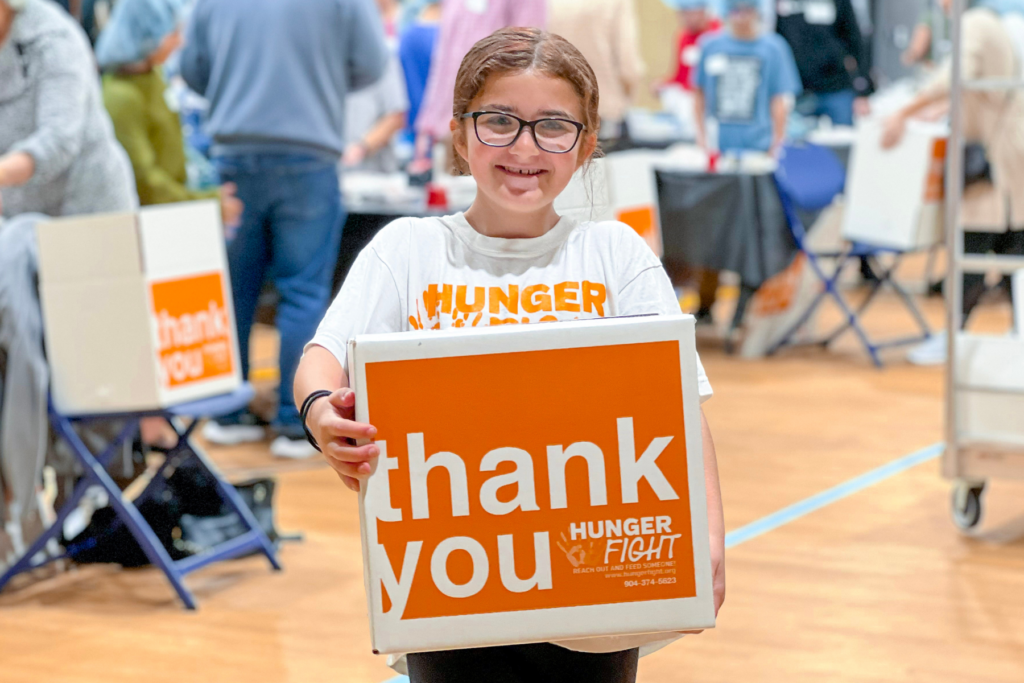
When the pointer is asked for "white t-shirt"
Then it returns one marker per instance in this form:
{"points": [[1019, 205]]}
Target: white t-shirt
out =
{"points": [[437, 273]]}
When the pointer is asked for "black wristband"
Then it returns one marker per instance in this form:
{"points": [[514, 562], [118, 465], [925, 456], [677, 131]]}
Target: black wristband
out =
{"points": [[304, 413]]}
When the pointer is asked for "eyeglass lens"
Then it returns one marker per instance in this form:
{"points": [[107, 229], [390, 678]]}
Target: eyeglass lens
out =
{"points": [[552, 135]]}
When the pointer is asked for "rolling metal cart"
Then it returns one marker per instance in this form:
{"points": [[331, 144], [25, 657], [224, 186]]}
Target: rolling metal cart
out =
{"points": [[985, 373]]}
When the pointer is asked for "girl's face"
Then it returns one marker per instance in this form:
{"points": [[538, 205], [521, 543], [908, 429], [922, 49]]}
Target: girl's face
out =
{"points": [[523, 178]]}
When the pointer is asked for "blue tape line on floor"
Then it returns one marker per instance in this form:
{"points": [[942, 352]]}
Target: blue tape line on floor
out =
{"points": [[820, 500], [815, 502]]}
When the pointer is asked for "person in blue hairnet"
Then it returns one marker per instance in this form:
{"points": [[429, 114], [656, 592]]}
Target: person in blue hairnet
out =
{"points": [[139, 37], [745, 82], [743, 86]]}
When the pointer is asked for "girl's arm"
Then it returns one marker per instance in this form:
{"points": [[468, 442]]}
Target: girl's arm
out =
{"points": [[716, 517], [331, 419]]}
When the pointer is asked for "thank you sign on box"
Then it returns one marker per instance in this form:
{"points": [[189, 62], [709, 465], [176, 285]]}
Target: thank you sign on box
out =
{"points": [[537, 483]]}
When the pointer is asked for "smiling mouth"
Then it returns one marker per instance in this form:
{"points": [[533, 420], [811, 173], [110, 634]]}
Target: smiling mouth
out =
{"points": [[522, 172]]}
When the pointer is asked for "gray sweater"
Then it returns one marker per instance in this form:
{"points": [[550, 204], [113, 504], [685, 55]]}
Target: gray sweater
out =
{"points": [[51, 108], [276, 73]]}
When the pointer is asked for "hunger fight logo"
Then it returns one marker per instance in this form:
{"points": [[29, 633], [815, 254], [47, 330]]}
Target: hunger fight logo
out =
{"points": [[446, 305]]}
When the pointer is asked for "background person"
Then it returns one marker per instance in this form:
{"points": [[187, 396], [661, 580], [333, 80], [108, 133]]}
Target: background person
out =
{"points": [[375, 115], [605, 31], [829, 49], [277, 91], [415, 51], [138, 39], [743, 86], [695, 20], [744, 82], [58, 154], [993, 118]]}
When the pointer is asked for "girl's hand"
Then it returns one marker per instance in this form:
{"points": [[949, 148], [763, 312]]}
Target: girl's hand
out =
{"points": [[331, 422]]}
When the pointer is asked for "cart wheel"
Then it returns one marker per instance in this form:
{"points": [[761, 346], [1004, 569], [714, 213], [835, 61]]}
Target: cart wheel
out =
{"points": [[966, 504]]}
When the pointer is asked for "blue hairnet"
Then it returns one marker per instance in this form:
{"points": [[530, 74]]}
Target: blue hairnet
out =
{"points": [[411, 10], [135, 30], [732, 5], [1003, 6], [687, 4]]}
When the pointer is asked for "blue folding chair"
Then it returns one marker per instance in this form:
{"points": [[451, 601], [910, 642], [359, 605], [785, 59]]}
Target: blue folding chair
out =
{"points": [[809, 177], [95, 466]]}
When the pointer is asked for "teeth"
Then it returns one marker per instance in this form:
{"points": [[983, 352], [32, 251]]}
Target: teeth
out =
{"points": [[521, 171]]}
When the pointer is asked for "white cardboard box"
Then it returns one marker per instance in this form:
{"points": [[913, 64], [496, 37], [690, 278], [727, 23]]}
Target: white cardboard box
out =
{"points": [[634, 193], [894, 197], [137, 309], [535, 483], [990, 371]]}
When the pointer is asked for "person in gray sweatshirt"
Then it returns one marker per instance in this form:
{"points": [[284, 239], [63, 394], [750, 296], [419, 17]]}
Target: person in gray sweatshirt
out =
{"points": [[276, 75], [58, 153]]}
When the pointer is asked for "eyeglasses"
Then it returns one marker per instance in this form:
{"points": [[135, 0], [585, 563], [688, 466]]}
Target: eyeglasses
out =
{"points": [[497, 129]]}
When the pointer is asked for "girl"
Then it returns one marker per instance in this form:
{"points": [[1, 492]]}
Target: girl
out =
{"points": [[525, 119]]}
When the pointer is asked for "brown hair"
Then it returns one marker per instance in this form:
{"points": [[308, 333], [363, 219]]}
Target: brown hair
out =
{"points": [[518, 49]]}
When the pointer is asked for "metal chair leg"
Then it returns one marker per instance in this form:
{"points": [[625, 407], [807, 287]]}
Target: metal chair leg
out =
{"points": [[127, 512]]}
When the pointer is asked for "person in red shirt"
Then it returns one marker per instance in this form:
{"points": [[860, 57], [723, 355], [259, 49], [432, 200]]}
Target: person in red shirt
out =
{"points": [[694, 21]]}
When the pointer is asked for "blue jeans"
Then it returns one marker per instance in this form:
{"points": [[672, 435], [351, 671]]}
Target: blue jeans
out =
{"points": [[838, 106], [291, 233]]}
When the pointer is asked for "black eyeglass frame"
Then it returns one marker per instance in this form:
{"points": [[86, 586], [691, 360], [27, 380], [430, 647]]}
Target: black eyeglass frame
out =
{"points": [[523, 123]]}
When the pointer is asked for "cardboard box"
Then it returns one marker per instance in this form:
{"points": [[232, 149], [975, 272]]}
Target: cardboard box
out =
{"points": [[990, 372], [137, 309], [894, 197], [634, 193], [535, 483]]}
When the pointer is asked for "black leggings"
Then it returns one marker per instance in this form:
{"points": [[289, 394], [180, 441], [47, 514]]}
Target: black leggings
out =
{"points": [[541, 663], [1007, 243]]}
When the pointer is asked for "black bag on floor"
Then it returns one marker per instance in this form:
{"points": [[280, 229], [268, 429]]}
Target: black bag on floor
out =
{"points": [[185, 512]]}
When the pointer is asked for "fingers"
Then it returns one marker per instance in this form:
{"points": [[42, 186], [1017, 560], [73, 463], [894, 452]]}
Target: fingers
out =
{"points": [[350, 482], [351, 470], [355, 459], [343, 399], [339, 428]]}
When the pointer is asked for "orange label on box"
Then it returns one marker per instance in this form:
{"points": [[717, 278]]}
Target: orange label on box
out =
{"points": [[935, 189], [193, 329], [640, 219], [531, 480]]}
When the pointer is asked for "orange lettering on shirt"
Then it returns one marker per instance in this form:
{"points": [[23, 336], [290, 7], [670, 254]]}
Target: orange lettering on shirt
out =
{"points": [[565, 297], [510, 301], [430, 300], [478, 299], [594, 296], [503, 321], [540, 302], [549, 319]]}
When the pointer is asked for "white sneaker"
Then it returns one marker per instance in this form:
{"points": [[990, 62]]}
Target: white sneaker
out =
{"points": [[931, 352], [232, 435], [293, 449]]}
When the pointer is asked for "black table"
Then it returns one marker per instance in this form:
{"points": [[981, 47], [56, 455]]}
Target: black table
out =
{"points": [[725, 221]]}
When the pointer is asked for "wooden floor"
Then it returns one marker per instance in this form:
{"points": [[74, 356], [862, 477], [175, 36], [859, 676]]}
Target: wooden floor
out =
{"points": [[877, 587]]}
